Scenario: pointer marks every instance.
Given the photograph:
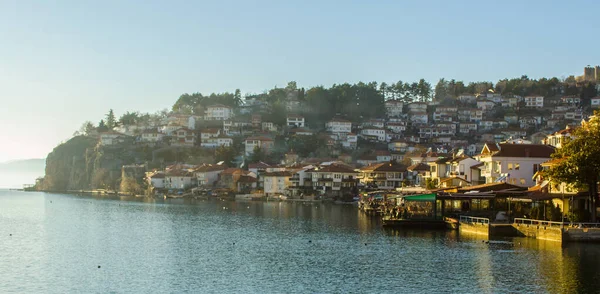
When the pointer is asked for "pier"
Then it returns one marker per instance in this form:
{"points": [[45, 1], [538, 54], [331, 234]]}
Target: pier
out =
{"points": [[531, 228]]}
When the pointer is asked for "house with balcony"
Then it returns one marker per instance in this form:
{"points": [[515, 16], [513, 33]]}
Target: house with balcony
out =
{"points": [[419, 117], [534, 101], [214, 142], [338, 125], [333, 179], [396, 127], [374, 134], [386, 175], [295, 121], [298, 181], [236, 126], [151, 136], [512, 163], [218, 112], [571, 100], [398, 146], [183, 137], [559, 138], [394, 108], [467, 127]]}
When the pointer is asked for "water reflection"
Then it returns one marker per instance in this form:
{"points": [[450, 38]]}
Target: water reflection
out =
{"points": [[178, 245]]}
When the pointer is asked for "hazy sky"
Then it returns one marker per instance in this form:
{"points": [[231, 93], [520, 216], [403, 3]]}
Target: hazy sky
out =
{"points": [[65, 62]]}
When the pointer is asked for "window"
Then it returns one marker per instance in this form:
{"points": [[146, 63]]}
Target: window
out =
{"points": [[337, 176], [517, 166], [510, 166], [522, 181]]}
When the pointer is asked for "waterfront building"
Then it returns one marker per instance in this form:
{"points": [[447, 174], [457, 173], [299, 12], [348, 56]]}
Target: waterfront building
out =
{"points": [[385, 175], [512, 163]]}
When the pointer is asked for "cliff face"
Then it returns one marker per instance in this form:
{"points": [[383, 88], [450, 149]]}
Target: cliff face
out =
{"points": [[66, 165], [80, 164]]}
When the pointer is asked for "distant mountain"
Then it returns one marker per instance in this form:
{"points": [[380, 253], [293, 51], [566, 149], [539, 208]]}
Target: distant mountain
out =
{"points": [[37, 165], [13, 174]]}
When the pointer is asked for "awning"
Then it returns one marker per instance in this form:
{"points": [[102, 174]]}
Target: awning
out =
{"points": [[420, 197]]}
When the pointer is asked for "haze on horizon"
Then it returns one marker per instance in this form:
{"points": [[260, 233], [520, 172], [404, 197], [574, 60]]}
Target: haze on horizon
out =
{"points": [[67, 62]]}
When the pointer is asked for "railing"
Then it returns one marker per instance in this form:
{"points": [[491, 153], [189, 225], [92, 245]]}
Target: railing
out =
{"points": [[474, 220], [536, 222]]}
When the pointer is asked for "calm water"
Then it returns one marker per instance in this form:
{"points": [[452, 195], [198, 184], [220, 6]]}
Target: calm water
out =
{"points": [[147, 246]]}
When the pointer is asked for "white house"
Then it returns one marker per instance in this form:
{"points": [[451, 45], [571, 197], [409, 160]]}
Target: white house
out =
{"points": [[269, 126], [512, 163], [534, 101], [350, 141], [485, 105], [385, 175], [179, 179], [208, 174], [264, 143], [417, 107], [183, 137], [396, 127], [209, 133], [571, 100], [338, 125], [394, 107], [595, 102], [214, 142], [111, 138], [276, 181], [301, 132], [151, 136], [373, 132], [218, 112], [156, 179], [420, 117], [295, 121]]}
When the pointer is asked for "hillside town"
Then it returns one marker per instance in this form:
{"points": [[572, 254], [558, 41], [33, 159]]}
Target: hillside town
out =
{"points": [[477, 141]]}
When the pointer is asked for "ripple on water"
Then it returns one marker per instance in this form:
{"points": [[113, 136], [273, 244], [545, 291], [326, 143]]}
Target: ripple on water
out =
{"points": [[258, 247]]}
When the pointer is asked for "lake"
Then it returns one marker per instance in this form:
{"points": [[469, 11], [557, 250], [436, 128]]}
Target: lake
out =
{"points": [[144, 245]]}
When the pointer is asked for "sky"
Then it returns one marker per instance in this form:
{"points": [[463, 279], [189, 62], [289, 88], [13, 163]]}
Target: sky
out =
{"points": [[66, 62]]}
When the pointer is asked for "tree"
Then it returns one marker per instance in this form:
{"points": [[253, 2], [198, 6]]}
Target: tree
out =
{"points": [[225, 154], [257, 155], [578, 161], [86, 129], [441, 90], [102, 126], [111, 121], [129, 118]]}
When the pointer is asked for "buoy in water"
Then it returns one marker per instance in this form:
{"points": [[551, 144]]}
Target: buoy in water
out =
{"points": [[10, 235], [98, 266], [309, 241]]}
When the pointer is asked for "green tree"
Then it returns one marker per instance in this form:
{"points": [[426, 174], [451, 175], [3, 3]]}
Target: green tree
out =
{"points": [[102, 126], [111, 121], [225, 154], [257, 155], [579, 161], [129, 118]]}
